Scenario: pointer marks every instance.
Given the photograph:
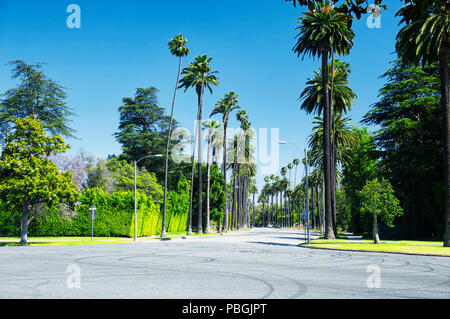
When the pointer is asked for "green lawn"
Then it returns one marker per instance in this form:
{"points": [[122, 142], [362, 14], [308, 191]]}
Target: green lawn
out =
{"points": [[45, 241], [397, 246], [48, 241]]}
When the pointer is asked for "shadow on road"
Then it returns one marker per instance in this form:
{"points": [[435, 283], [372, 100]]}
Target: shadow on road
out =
{"points": [[272, 243], [294, 238]]}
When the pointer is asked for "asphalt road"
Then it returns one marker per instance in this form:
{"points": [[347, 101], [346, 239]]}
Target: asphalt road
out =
{"points": [[251, 265]]}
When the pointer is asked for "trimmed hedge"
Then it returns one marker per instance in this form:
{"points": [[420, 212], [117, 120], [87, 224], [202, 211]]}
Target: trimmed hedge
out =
{"points": [[115, 216]]}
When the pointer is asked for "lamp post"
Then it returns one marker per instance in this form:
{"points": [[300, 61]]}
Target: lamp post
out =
{"points": [[92, 210], [307, 190], [135, 193]]}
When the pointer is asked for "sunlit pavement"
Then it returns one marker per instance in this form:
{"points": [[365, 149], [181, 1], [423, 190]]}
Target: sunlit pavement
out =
{"points": [[262, 263]]}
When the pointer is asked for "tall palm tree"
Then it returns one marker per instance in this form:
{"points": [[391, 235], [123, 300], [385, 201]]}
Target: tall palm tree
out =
{"points": [[322, 31], [245, 164], [341, 99], [225, 106], [290, 167], [283, 187], [343, 134], [296, 162], [212, 126], [253, 190], [425, 39], [198, 75], [178, 48]]}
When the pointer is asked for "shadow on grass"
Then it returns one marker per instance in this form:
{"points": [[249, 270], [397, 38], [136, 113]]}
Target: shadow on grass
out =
{"points": [[15, 244]]}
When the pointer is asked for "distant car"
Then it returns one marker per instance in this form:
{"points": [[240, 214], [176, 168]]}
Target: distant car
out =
{"points": [[269, 226]]}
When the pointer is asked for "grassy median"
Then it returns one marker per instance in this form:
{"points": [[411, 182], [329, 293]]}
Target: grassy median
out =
{"points": [[393, 246], [49, 241]]}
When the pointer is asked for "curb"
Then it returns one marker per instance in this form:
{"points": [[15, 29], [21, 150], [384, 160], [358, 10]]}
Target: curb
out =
{"points": [[372, 251]]}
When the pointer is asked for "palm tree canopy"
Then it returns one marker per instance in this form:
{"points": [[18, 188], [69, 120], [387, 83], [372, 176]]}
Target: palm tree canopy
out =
{"points": [[177, 46], [426, 32], [197, 72], [323, 29], [242, 117], [344, 133], [343, 96], [226, 105]]}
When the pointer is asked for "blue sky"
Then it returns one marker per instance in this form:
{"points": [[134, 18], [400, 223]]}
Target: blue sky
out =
{"points": [[123, 45]]}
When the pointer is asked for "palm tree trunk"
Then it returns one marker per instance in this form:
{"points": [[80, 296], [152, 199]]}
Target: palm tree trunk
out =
{"points": [[225, 190], [192, 185], [333, 181], [445, 100], [163, 231], [233, 211], [329, 232], [200, 177], [239, 198], [333, 148], [208, 168], [271, 214]]}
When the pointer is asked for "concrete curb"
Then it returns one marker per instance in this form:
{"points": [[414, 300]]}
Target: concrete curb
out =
{"points": [[194, 237], [371, 251]]}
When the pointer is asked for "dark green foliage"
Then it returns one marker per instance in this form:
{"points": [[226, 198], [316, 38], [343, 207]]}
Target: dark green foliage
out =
{"points": [[359, 167], [216, 193], [343, 212], [411, 144], [37, 95], [143, 130], [115, 215], [178, 207]]}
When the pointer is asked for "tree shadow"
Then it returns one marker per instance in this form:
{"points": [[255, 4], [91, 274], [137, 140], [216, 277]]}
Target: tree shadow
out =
{"points": [[272, 243]]}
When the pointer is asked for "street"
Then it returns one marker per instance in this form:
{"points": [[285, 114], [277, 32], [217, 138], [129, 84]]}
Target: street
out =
{"points": [[262, 263]]}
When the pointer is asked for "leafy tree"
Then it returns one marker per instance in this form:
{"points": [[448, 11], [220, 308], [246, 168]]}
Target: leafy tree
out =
{"points": [[143, 129], [38, 95], [97, 173], [359, 167], [122, 175], [30, 182], [410, 144], [425, 39], [73, 163], [378, 199]]}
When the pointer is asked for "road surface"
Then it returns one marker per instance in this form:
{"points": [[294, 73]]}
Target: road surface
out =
{"points": [[263, 263]]}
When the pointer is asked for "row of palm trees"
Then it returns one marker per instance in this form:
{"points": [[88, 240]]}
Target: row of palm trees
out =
{"points": [[280, 187], [198, 75], [326, 32]]}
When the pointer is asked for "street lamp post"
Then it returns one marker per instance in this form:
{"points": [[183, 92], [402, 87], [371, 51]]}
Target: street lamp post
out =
{"points": [[307, 190], [135, 192]]}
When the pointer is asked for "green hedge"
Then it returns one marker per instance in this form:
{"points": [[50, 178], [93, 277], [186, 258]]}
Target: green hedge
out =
{"points": [[115, 216]]}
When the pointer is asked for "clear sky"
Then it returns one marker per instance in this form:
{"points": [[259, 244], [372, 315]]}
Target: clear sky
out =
{"points": [[122, 45]]}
